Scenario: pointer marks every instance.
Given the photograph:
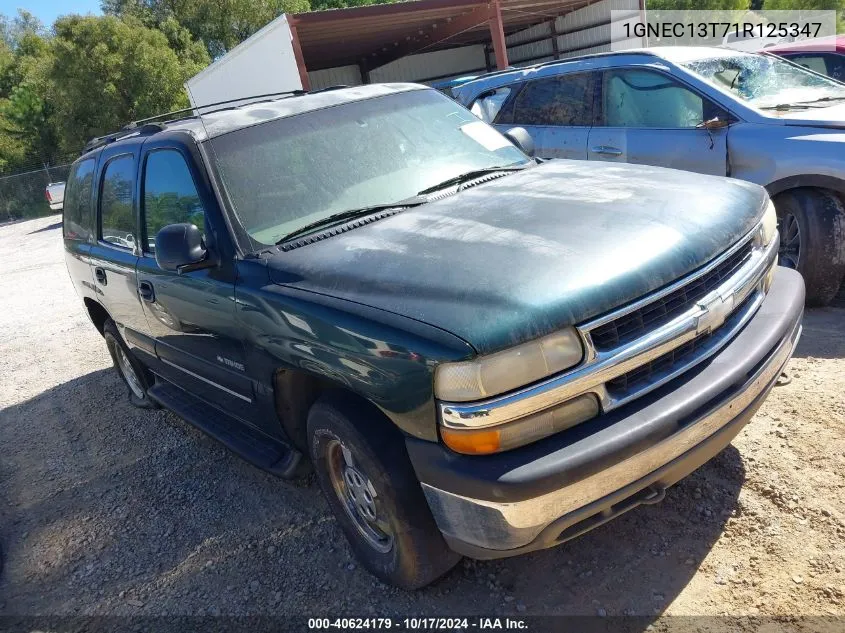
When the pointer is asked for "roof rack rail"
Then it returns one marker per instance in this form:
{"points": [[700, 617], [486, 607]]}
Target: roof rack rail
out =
{"points": [[563, 60], [135, 124], [99, 141], [149, 126]]}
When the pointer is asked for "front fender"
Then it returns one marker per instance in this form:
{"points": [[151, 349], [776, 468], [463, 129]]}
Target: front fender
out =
{"points": [[782, 157], [385, 358]]}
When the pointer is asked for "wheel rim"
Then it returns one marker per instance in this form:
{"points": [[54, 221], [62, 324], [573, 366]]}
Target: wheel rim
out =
{"points": [[358, 497], [129, 373], [790, 241]]}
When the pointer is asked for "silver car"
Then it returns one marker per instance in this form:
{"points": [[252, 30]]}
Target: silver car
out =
{"points": [[710, 110], [55, 195]]}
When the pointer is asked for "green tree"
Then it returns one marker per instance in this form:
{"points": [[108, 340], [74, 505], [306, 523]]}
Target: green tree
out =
{"points": [[27, 132], [107, 71], [804, 5], [219, 24]]}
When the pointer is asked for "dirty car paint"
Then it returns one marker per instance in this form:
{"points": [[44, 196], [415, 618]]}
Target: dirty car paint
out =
{"points": [[529, 253]]}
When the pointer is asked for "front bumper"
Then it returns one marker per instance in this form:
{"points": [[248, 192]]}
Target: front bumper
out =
{"points": [[543, 494]]}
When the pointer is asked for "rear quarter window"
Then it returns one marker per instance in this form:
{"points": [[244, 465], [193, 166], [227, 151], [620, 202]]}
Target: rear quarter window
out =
{"points": [[488, 106], [78, 219]]}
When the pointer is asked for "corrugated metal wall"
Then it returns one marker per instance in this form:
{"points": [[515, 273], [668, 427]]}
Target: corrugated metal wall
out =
{"points": [[339, 76], [440, 64], [424, 68], [581, 32]]}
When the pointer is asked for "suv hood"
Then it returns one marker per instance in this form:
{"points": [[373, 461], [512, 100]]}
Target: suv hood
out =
{"points": [[532, 252]]}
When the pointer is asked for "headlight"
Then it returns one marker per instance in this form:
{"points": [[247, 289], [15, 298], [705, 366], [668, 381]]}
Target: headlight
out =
{"points": [[770, 224], [522, 431], [509, 369]]}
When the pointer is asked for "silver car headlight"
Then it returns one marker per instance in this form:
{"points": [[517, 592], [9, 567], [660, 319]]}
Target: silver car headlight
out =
{"points": [[769, 225], [509, 369]]}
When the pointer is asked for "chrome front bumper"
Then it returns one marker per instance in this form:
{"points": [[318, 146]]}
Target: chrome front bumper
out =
{"points": [[490, 524]]}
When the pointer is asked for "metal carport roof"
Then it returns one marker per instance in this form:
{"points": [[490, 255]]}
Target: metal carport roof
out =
{"points": [[379, 34]]}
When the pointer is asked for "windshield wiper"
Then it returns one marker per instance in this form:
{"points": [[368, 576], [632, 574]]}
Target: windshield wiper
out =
{"points": [[823, 99], [351, 214], [802, 105], [783, 107], [471, 175]]}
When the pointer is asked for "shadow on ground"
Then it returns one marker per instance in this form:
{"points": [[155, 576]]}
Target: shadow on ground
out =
{"points": [[823, 335], [107, 509], [49, 227]]}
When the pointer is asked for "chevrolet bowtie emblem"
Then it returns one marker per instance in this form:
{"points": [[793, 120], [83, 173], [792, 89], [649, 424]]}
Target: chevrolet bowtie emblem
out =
{"points": [[714, 312]]}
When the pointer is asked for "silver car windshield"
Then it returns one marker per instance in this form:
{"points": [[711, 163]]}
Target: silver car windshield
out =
{"points": [[766, 80], [293, 172]]}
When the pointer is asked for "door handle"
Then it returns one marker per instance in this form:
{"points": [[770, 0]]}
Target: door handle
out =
{"points": [[145, 289], [606, 150], [100, 276]]}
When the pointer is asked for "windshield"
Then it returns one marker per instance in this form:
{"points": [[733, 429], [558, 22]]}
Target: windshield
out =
{"points": [[766, 80], [288, 173]]}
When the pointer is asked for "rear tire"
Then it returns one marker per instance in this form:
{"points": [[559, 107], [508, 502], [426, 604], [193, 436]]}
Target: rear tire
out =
{"points": [[132, 373], [364, 472], [812, 227]]}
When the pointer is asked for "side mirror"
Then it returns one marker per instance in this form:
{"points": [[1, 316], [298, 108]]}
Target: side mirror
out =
{"points": [[180, 248], [716, 123], [520, 137]]}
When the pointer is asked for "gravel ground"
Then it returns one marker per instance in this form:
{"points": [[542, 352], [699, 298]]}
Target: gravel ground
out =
{"points": [[109, 510]]}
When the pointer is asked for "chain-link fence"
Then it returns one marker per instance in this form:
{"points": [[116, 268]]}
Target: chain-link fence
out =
{"points": [[22, 194]]}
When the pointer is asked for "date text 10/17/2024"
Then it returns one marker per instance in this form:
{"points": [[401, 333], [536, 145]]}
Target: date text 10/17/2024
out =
{"points": [[418, 624]]}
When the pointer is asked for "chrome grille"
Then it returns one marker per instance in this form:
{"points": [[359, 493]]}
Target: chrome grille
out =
{"points": [[634, 324], [677, 360]]}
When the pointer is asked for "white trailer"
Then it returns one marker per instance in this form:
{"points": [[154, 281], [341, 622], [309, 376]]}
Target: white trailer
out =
{"points": [[262, 64]]}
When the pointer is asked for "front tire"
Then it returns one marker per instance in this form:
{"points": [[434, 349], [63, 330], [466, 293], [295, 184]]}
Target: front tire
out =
{"points": [[127, 366], [811, 223], [364, 472]]}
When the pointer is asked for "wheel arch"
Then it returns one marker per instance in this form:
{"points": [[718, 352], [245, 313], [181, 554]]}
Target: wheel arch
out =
{"points": [[97, 313], [806, 181], [295, 391]]}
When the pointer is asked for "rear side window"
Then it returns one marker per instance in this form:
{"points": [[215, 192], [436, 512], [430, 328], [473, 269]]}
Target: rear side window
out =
{"points": [[170, 195], [813, 62], [829, 64], [117, 222], [564, 100], [78, 220]]}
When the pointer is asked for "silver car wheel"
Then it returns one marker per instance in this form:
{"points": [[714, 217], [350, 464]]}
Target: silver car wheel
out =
{"points": [[358, 497], [129, 373]]}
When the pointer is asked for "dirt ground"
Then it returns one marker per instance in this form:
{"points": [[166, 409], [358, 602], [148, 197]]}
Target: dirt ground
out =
{"points": [[109, 510]]}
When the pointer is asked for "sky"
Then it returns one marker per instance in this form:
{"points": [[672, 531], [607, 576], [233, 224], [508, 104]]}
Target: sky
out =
{"points": [[48, 10]]}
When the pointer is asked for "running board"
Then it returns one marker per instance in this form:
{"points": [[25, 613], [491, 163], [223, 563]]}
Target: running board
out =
{"points": [[255, 447]]}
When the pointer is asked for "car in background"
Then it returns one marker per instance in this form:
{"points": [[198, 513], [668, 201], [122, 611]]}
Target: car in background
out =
{"points": [[447, 85], [740, 41], [824, 55], [55, 195], [715, 111]]}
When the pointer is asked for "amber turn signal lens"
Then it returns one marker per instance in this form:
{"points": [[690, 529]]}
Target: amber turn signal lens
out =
{"points": [[481, 442]]}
